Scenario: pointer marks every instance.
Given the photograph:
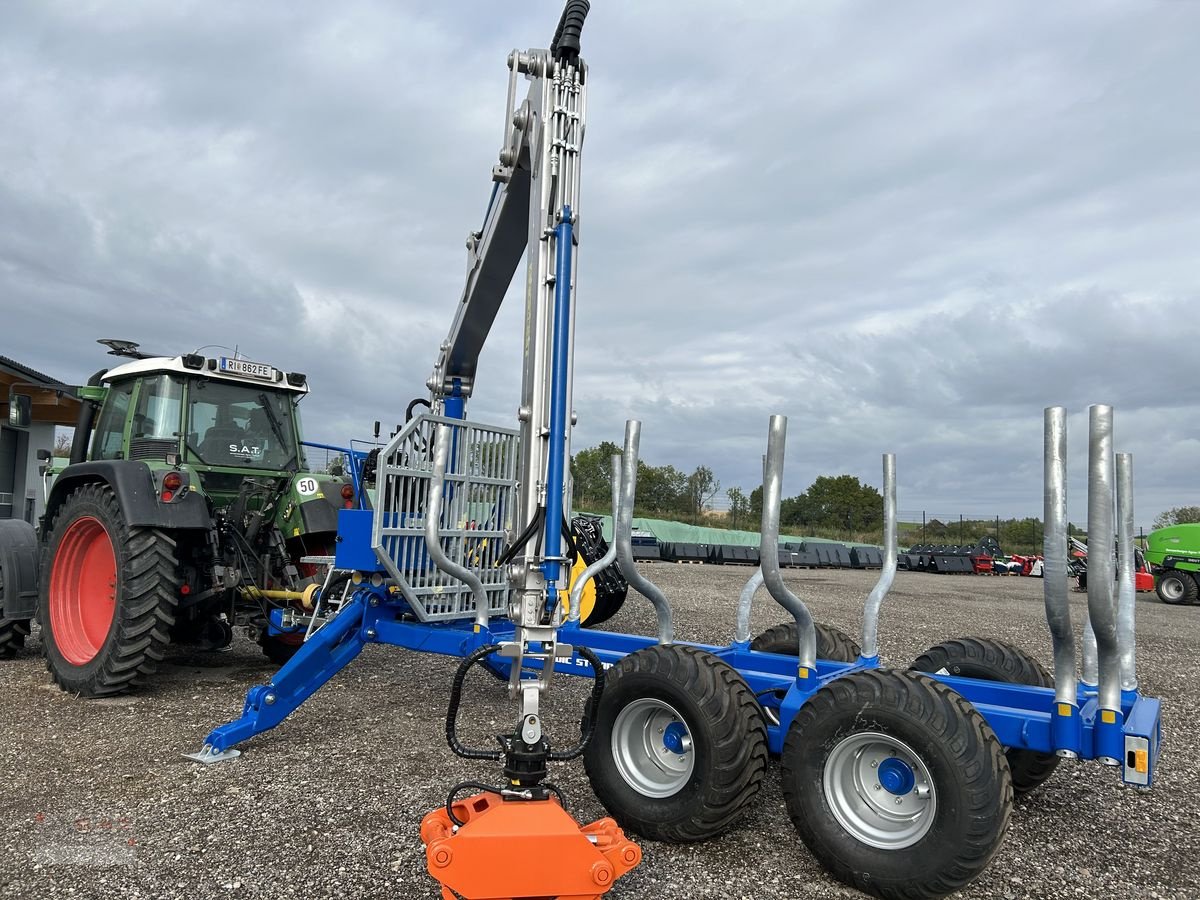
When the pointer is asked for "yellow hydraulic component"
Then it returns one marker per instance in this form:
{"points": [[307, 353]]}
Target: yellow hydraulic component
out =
{"points": [[587, 601], [306, 596]]}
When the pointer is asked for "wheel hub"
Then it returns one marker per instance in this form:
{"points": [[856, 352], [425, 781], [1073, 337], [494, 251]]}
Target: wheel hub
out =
{"points": [[652, 747], [896, 776], [879, 790]]}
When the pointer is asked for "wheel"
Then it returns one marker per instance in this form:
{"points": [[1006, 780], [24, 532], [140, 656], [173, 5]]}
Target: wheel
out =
{"points": [[996, 661], [1176, 587], [679, 749], [832, 643], [896, 784], [12, 636], [279, 648], [107, 603]]}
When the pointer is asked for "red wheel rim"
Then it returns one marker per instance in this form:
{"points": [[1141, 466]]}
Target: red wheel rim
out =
{"points": [[83, 590]]}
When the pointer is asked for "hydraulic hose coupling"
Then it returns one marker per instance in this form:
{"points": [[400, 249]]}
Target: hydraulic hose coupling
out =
{"points": [[474, 860]]}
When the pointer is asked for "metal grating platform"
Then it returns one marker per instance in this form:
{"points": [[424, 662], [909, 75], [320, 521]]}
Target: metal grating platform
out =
{"points": [[477, 508]]}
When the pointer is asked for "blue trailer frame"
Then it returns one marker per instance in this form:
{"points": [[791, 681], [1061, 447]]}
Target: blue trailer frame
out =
{"points": [[1022, 716]]}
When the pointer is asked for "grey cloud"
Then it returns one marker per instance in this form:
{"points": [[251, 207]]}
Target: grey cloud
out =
{"points": [[909, 227]]}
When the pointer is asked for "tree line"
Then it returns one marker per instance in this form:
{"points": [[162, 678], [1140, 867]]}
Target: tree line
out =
{"points": [[840, 507]]}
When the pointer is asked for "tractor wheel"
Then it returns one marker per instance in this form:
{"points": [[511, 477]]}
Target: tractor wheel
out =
{"points": [[1176, 587], [832, 643], [12, 636], [996, 661], [107, 601], [280, 648], [679, 749], [896, 784]]}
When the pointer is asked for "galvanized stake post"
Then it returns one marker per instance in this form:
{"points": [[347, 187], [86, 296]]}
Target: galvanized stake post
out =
{"points": [[1054, 581], [768, 552], [870, 650], [623, 535], [1126, 567], [1102, 614]]}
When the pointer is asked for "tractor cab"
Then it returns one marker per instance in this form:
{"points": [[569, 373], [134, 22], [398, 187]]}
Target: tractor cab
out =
{"points": [[209, 413]]}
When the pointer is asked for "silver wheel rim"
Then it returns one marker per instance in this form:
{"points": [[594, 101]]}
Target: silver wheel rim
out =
{"points": [[879, 790], [1172, 588], [652, 747]]}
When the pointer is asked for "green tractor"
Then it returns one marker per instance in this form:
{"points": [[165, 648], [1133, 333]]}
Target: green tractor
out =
{"points": [[1174, 555], [186, 510]]}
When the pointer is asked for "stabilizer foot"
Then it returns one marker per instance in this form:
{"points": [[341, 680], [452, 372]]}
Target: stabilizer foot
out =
{"points": [[208, 755]]}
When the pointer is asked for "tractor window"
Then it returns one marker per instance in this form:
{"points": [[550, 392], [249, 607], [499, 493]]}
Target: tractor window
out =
{"points": [[240, 425], [158, 407], [110, 430]]}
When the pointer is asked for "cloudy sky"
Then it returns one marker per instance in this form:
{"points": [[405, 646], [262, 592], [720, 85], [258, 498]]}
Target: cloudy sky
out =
{"points": [[907, 226]]}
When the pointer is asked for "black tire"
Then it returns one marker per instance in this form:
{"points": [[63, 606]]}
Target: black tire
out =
{"points": [[12, 636], [832, 643], [964, 768], [718, 714], [278, 649], [1176, 587], [146, 590], [996, 661]]}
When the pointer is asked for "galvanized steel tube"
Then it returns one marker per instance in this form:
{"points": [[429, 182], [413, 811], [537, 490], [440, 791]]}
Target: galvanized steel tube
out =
{"points": [[433, 515], [888, 575], [609, 555], [623, 535], [741, 632], [1126, 567], [1101, 570], [768, 552], [1054, 552]]}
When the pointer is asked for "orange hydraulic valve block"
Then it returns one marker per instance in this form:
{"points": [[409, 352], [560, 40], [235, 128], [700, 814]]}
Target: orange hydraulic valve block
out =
{"points": [[510, 849]]}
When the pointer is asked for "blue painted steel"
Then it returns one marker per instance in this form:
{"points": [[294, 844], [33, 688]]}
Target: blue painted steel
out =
{"points": [[673, 737], [896, 776], [1022, 716], [353, 549], [321, 657], [559, 360], [356, 459], [454, 405]]}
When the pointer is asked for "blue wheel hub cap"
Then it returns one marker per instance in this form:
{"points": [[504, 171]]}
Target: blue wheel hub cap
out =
{"points": [[896, 776], [673, 737]]}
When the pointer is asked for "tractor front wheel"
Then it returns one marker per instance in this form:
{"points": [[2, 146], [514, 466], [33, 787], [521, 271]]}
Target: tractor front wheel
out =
{"points": [[1176, 587], [107, 600], [896, 784]]}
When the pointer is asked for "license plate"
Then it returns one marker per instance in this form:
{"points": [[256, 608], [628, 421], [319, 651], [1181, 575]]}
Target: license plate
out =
{"points": [[247, 368]]}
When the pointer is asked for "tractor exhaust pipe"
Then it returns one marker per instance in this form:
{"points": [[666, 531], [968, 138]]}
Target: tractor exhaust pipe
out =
{"points": [[1126, 567], [870, 649], [623, 535], [768, 549], [609, 555]]}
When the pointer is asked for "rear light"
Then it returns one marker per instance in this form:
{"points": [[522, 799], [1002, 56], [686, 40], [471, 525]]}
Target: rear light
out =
{"points": [[185, 589], [167, 496], [347, 492], [172, 481], [347, 504]]}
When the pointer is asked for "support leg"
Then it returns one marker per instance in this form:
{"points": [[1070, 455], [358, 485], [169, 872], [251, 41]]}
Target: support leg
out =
{"points": [[320, 658]]}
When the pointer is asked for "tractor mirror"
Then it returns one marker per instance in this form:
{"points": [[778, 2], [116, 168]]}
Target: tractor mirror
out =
{"points": [[20, 410], [44, 455]]}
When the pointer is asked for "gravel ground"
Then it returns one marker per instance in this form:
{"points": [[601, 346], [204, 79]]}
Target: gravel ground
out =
{"points": [[96, 801]]}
